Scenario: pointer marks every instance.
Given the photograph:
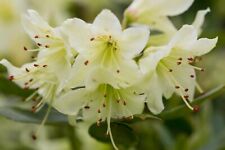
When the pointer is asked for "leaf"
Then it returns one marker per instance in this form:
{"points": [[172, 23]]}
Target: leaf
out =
{"points": [[122, 133], [182, 109], [10, 88], [25, 116], [138, 118]]}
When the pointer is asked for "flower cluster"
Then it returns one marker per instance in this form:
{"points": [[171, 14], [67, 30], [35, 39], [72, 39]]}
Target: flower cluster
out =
{"points": [[105, 70]]}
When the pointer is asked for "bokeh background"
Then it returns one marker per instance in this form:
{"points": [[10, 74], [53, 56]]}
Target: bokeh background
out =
{"points": [[202, 131]]}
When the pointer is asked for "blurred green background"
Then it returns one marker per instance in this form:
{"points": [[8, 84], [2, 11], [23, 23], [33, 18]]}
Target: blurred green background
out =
{"points": [[202, 131]]}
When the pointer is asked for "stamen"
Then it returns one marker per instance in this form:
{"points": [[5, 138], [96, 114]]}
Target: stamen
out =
{"points": [[39, 44], [36, 65], [179, 63], [199, 87], [36, 36], [196, 108], [25, 48], [118, 71], [44, 66], [92, 39], [87, 107], [186, 90], [27, 70], [192, 76], [11, 78], [86, 62]]}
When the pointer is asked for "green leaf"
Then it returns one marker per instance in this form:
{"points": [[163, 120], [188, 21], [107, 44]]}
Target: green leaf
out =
{"points": [[122, 133], [182, 110], [138, 118], [25, 116], [10, 88]]}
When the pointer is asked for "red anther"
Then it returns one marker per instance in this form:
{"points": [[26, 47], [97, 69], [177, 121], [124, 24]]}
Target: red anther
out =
{"points": [[86, 62], [196, 108], [11, 78]]}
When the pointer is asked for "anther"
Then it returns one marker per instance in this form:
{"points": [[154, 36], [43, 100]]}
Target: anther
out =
{"points": [[192, 76], [36, 36], [118, 71], [103, 104], [30, 80], [39, 44], [196, 108], [25, 48], [87, 107], [177, 87], [186, 97], [180, 59], [47, 36], [105, 95], [170, 70], [11, 78], [27, 70], [178, 63], [46, 46], [99, 111], [186, 90], [44, 66], [36, 65], [92, 39], [34, 137], [124, 103], [86, 62]]}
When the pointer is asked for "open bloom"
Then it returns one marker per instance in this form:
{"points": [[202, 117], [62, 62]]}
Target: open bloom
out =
{"points": [[101, 103], [104, 45], [155, 13], [170, 68], [47, 73]]}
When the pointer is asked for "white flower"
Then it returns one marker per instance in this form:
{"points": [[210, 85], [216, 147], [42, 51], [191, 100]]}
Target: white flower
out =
{"points": [[170, 68], [48, 73], [155, 13], [101, 103], [104, 45]]}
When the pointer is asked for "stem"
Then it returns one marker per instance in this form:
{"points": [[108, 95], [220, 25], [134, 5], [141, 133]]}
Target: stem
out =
{"points": [[74, 141]]}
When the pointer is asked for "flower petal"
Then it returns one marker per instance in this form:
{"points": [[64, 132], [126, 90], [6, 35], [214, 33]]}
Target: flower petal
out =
{"points": [[133, 41], [34, 24], [78, 33], [173, 7], [71, 102], [107, 22], [151, 58], [199, 20], [154, 95], [203, 46]]}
